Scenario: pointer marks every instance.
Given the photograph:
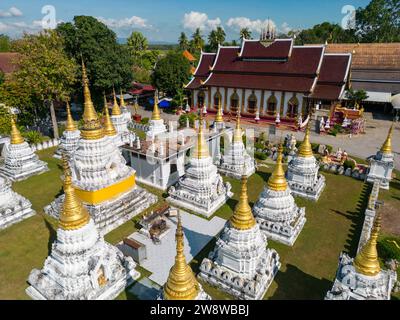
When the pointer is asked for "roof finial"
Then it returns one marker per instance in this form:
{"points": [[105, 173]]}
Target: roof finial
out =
{"points": [[237, 136], [387, 146], [71, 125], [121, 99], [156, 112], [305, 149], [16, 137], [201, 150], [109, 128], [277, 180], [219, 118], [116, 111]]}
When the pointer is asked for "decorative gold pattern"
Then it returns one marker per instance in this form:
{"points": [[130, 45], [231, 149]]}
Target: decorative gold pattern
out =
{"points": [[109, 129], [387, 146], [73, 215], [201, 150], [16, 137], [181, 283], [116, 111], [156, 112], [305, 150], [71, 125], [277, 181], [366, 261]]}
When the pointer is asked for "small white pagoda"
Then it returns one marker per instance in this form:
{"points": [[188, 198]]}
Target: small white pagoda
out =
{"points": [[120, 121], [182, 283], [81, 266], [201, 189], [235, 156], [276, 211], [241, 264], [69, 139], [156, 126], [13, 207], [20, 162], [382, 164], [362, 278], [303, 172]]}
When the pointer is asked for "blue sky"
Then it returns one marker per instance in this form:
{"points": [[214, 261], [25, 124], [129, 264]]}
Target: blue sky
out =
{"points": [[163, 20]]}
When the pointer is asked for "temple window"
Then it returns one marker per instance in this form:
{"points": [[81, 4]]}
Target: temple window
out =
{"points": [[217, 99], [293, 106], [200, 99], [271, 105], [234, 102], [252, 104]]}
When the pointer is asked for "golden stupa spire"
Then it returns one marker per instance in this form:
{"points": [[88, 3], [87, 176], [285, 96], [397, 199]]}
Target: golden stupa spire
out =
{"points": [[277, 180], [387, 146], [92, 129], [116, 111], [109, 128], [73, 214], [16, 137], [121, 99], [218, 116], [181, 283], [243, 218], [237, 136], [201, 150], [156, 112], [71, 125], [305, 149], [366, 262]]}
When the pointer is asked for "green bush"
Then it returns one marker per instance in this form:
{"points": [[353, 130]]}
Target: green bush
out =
{"points": [[387, 249], [182, 119], [315, 147], [349, 164], [260, 155], [259, 146], [145, 121], [33, 137], [334, 132], [329, 148]]}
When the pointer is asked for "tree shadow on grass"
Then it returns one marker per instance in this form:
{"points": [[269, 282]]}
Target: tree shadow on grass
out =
{"points": [[232, 203], [294, 284], [52, 235], [395, 184], [139, 291], [264, 175]]}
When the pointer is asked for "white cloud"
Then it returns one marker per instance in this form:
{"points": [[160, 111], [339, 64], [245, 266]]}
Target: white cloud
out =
{"points": [[253, 25], [12, 12], [132, 22], [194, 20], [285, 28]]}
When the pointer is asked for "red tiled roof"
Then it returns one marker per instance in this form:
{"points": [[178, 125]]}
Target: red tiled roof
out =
{"points": [[202, 71], [252, 49], [327, 91], [7, 61]]}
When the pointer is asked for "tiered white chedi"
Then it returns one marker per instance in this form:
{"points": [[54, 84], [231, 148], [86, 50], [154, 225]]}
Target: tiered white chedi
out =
{"points": [[20, 162], [70, 137], [156, 126], [201, 189], [101, 178], [81, 266], [276, 211], [120, 121], [235, 156], [382, 164], [13, 207], [303, 177], [363, 278], [240, 263], [181, 283]]}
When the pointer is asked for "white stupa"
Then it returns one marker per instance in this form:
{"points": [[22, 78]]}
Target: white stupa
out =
{"points": [[13, 207], [81, 266], [303, 172], [362, 278], [241, 264], [20, 162], [235, 156], [276, 211], [201, 189], [156, 126], [120, 121], [69, 139], [382, 164], [102, 180]]}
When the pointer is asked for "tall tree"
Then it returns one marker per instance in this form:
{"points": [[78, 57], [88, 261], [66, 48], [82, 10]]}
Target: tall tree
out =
{"points": [[183, 42], [197, 40], [5, 43], [220, 34], [320, 33], [137, 44], [245, 33], [46, 69], [215, 38]]}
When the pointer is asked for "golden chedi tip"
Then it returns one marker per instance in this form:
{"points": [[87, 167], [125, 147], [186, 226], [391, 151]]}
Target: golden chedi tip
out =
{"points": [[116, 111], [238, 133], [218, 116], [73, 214], [181, 283], [156, 111], [16, 137], [305, 149], [109, 129], [367, 262], [201, 150], [70, 125], [92, 129], [277, 180], [122, 100], [387, 146]]}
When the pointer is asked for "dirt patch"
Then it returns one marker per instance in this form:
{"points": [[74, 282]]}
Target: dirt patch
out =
{"points": [[390, 219]]}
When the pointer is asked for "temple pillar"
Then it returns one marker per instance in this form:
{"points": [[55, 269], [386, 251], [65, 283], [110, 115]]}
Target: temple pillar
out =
{"points": [[225, 100], [282, 110], [261, 110]]}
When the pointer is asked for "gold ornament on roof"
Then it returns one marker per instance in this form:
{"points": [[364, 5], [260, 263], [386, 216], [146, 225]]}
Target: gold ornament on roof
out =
{"points": [[73, 214], [305, 149], [366, 261], [201, 150], [387, 146], [16, 137], [71, 125], [219, 117], [116, 111], [92, 129], [277, 180], [181, 283], [156, 112], [238, 133], [109, 128]]}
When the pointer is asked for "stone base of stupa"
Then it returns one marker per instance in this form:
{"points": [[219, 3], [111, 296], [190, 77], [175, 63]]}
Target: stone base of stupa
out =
{"points": [[310, 193], [201, 296], [236, 171], [24, 173], [110, 214], [351, 285], [13, 215]]}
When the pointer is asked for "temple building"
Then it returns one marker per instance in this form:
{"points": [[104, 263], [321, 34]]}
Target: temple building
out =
{"points": [[120, 120], [303, 172], [201, 189], [69, 139], [20, 162], [81, 265], [241, 264], [13, 207], [156, 126], [269, 78], [182, 283], [235, 156], [276, 211], [382, 164], [101, 178], [362, 278]]}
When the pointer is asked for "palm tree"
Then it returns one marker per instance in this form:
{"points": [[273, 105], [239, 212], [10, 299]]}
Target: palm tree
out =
{"points": [[356, 97], [137, 44], [198, 41], [220, 35], [213, 40], [245, 33], [183, 42]]}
